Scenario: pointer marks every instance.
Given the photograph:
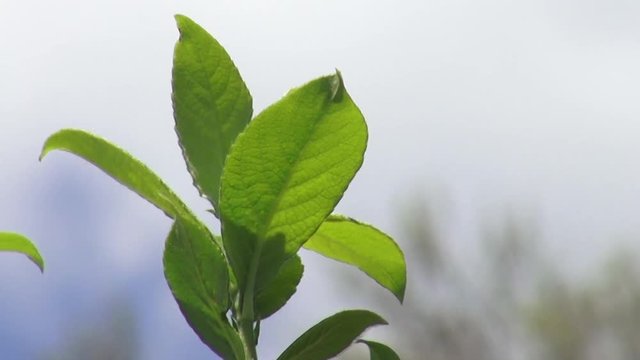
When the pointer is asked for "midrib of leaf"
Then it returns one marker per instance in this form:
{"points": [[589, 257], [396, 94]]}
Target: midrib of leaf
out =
{"points": [[209, 89], [325, 334], [248, 301], [285, 188], [182, 207]]}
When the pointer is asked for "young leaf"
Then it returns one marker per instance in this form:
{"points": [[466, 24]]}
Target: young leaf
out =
{"points": [[380, 351], [121, 166], [17, 243], [331, 336], [372, 251], [211, 105], [214, 330], [285, 174], [278, 291], [195, 267], [197, 274]]}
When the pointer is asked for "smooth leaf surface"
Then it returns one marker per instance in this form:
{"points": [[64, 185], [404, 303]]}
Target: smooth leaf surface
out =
{"points": [[195, 267], [380, 351], [331, 336], [17, 243], [118, 164], [211, 105], [214, 330], [285, 174], [197, 274], [361, 245], [279, 290]]}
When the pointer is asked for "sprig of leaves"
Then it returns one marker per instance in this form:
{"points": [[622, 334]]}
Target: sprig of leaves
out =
{"points": [[273, 182]]}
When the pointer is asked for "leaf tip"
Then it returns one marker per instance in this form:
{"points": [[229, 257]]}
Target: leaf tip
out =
{"points": [[51, 142], [400, 296], [337, 86], [182, 22], [36, 258], [180, 19], [39, 263], [43, 152], [46, 148], [400, 293], [378, 350]]}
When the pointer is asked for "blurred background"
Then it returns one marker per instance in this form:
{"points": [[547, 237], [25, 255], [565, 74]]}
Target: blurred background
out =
{"points": [[502, 157]]}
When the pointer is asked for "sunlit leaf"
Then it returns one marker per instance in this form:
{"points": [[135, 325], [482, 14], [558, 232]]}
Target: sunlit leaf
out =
{"points": [[331, 336], [17, 243], [380, 351], [211, 105], [285, 174], [365, 247], [118, 164], [278, 291]]}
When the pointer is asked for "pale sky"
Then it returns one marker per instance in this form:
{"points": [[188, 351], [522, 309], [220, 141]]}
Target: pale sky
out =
{"points": [[499, 105]]}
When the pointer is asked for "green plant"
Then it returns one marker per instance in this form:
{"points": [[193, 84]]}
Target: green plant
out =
{"points": [[273, 183], [17, 243]]}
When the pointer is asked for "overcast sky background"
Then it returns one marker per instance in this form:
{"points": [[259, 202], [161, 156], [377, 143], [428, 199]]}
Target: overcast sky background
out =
{"points": [[528, 106]]}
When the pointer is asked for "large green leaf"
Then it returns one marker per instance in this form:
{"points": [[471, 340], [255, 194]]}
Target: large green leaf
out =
{"points": [[380, 351], [17, 243], [372, 251], [285, 174], [211, 105], [278, 291], [331, 336], [121, 166], [197, 274]]}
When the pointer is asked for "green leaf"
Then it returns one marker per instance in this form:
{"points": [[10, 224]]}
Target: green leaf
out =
{"points": [[285, 174], [331, 336], [214, 330], [197, 274], [17, 243], [380, 351], [278, 291], [121, 166], [211, 105], [195, 267], [361, 245]]}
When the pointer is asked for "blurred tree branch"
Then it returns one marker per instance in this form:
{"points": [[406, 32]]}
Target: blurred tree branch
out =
{"points": [[513, 303]]}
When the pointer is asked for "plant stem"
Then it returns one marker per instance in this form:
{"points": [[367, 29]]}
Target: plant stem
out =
{"points": [[245, 329], [246, 316]]}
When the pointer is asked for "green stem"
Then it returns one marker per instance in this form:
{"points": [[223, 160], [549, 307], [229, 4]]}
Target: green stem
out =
{"points": [[245, 329], [246, 316]]}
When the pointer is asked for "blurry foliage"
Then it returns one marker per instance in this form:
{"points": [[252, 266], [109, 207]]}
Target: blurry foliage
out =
{"points": [[591, 321], [510, 301], [114, 337]]}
